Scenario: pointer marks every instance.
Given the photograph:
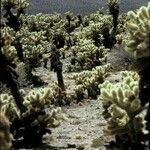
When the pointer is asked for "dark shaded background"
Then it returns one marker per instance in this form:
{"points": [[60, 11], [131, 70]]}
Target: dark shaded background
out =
{"points": [[83, 7]]}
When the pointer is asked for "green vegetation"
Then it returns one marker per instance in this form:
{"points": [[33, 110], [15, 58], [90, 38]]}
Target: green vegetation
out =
{"points": [[29, 107]]}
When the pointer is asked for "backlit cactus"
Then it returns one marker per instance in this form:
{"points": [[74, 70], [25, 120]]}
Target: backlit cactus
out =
{"points": [[88, 55], [41, 100], [35, 101], [7, 37], [137, 41], [38, 99], [113, 2], [122, 107], [33, 43], [8, 107], [18, 4], [89, 80], [5, 135]]}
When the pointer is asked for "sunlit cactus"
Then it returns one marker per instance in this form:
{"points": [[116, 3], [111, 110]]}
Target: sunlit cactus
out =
{"points": [[38, 99], [88, 55], [113, 3], [114, 11], [36, 121], [7, 49], [8, 57], [89, 80], [5, 135], [41, 100], [8, 107], [137, 41], [19, 4], [122, 107], [12, 10], [34, 44]]}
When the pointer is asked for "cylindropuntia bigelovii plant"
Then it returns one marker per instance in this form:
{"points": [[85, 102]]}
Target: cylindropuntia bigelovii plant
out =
{"points": [[138, 44], [5, 135], [122, 108]]}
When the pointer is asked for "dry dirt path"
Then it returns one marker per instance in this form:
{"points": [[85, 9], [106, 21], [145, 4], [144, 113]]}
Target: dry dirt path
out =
{"points": [[85, 124]]}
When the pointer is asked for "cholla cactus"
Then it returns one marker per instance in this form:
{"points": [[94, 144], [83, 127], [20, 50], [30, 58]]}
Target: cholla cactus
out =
{"points": [[96, 24], [114, 11], [38, 99], [113, 3], [33, 43], [38, 22], [98, 72], [7, 58], [138, 40], [122, 107], [41, 100], [121, 28], [36, 121], [137, 43], [8, 3], [7, 37], [18, 4], [89, 80], [88, 55], [14, 9], [5, 136], [88, 46], [8, 107], [51, 119]]}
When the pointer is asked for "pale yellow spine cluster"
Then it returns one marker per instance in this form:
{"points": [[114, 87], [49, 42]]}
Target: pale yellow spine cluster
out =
{"points": [[18, 4], [38, 98], [33, 43], [123, 108], [8, 107], [5, 135], [137, 41], [7, 35], [87, 79]]}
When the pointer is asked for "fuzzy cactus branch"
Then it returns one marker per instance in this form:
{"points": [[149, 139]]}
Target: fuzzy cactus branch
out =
{"points": [[122, 107], [138, 39]]}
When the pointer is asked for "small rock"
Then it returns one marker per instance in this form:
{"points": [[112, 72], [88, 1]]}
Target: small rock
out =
{"points": [[80, 147], [78, 137], [71, 145], [80, 104], [63, 137]]}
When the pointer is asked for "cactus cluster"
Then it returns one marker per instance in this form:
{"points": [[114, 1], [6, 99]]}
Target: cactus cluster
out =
{"points": [[17, 4], [42, 99], [122, 107], [97, 22], [39, 98], [113, 3], [137, 41], [91, 42], [33, 43], [8, 107], [88, 55], [5, 135], [89, 80], [26, 40], [37, 22], [7, 37], [36, 100], [40, 115]]}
